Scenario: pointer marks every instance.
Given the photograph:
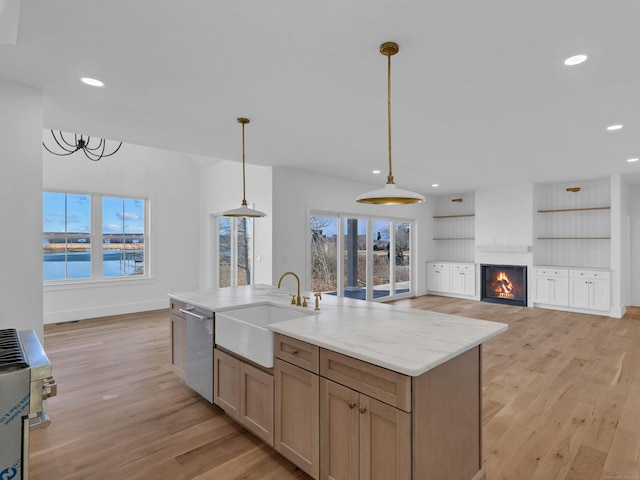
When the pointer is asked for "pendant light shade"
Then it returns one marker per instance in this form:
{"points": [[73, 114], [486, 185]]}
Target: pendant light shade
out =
{"points": [[244, 210], [390, 194]]}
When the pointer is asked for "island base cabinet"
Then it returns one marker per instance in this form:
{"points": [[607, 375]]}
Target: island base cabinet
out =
{"points": [[446, 420], [362, 438], [245, 393], [178, 333], [297, 415]]}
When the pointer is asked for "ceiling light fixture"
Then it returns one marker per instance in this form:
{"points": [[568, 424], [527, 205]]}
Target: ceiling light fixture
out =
{"points": [[435, 185], [631, 160], [575, 60], [375, 172], [389, 195], [93, 152], [244, 210], [92, 81], [613, 128]]}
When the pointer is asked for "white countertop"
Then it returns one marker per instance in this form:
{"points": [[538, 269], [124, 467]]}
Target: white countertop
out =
{"points": [[408, 341]]}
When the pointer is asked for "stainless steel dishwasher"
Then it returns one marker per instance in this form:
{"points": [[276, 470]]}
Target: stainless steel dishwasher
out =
{"points": [[199, 366]]}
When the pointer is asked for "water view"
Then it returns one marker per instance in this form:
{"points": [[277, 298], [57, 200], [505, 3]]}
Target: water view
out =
{"points": [[117, 263]]}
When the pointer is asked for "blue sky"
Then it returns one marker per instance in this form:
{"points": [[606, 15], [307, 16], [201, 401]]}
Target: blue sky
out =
{"points": [[119, 216]]}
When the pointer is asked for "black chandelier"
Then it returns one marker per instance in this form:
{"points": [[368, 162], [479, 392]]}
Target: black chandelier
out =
{"points": [[93, 152]]}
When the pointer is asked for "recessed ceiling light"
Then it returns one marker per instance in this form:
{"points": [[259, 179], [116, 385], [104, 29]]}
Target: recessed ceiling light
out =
{"points": [[575, 60], [631, 160], [435, 185], [376, 172], [612, 128], [92, 81]]}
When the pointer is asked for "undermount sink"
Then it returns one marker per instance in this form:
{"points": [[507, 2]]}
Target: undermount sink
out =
{"points": [[243, 330]]}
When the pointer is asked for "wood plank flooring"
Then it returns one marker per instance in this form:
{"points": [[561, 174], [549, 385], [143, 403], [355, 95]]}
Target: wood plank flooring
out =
{"points": [[561, 401]]}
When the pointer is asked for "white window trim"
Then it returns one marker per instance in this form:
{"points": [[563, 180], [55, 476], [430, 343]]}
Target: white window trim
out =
{"points": [[96, 246], [233, 251]]}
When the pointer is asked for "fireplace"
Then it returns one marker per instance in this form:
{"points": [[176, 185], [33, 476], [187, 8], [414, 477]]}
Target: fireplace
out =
{"points": [[505, 284]]}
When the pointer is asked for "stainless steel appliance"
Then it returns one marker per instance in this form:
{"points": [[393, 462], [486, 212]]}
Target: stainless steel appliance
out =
{"points": [[199, 364], [25, 382]]}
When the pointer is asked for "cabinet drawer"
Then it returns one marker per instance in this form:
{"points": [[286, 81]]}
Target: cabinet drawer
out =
{"points": [[297, 352], [437, 266], [552, 272], [590, 274], [175, 306], [385, 385], [463, 267]]}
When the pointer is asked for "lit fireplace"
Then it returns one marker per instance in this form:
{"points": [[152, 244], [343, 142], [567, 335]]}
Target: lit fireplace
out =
{"points": [[504, 284]]}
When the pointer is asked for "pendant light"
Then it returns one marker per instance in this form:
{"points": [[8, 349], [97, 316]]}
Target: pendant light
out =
{"points": [[244, 210], [390, 195]]}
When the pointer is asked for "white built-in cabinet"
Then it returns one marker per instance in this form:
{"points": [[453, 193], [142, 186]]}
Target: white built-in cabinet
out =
{"points": [[451, 278], [584, 290], [454, 228]]}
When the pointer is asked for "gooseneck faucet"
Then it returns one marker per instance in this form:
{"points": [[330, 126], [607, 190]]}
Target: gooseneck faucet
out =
{"points": [[297, 278]]}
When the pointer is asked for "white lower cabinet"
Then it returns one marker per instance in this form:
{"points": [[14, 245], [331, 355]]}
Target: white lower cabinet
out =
{"points": [[454, 278], [551, 286], [590, 290]]}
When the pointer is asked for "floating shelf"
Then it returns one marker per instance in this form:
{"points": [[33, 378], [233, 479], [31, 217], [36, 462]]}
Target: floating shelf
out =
{"points": [[574, 238], [574, 209], [454, 238], [455, 216]]}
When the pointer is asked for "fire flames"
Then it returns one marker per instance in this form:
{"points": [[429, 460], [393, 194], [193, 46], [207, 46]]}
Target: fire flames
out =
{"points": [[503, 287]]}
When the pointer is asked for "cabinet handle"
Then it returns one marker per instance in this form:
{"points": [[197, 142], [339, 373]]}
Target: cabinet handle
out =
{"points": [[362, 409], [294, 351], [351, 404]]}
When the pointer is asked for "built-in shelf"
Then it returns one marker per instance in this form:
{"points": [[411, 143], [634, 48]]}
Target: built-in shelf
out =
{"points": [[455, 216], [574, 209], [574, 238], [453, 238]]}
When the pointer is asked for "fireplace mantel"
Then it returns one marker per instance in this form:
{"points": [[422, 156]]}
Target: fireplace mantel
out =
{"points": [[504, 248]]}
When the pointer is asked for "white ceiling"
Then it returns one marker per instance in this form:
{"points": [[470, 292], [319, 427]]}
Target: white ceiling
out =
{"points": [[480, 94]]}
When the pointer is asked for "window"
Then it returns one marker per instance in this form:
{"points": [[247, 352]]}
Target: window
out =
{"points": [[91, 237], [235, 251], [371, 256]]}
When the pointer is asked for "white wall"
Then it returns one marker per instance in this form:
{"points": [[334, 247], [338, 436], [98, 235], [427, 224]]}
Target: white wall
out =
{"points": [[21, 213], [634, 262], [221, 189], [296, 193], [169, 180], [619, 239]]}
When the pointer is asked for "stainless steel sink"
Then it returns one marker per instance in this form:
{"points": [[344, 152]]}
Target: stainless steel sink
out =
{"points": [[243, 330]]}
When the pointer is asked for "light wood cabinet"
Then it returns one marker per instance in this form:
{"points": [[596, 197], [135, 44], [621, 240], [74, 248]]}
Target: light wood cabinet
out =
{"points": [[245, 393], [362, 438], [178, 338], [297, 415]]}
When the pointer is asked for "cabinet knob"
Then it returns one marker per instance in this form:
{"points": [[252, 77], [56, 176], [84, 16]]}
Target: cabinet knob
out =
{"points": [[294, 351], [362, 409], [351, 404]]}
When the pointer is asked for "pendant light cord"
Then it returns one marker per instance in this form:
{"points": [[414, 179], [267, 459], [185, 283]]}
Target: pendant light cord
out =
{"points": [[244, 199], [390, 176]]}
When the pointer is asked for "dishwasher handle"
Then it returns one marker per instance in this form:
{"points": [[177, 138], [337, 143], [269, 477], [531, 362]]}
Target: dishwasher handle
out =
{"points": [[190, 312]]}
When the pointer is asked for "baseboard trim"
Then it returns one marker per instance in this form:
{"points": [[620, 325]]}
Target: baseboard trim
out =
{"points": [[103, 311]]}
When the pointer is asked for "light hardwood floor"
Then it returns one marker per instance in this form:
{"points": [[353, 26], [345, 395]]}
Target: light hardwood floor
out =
{"points": [[561, 401]]}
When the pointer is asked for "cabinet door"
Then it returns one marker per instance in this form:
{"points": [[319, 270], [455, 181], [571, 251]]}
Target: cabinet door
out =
{"points": [[600, 295], [385, 441], [226, 383], [339, 441], [433, 280], [256, 402], [542, 289], [579, 293], [297, 412], [178, 344], [457, 282], [559, 291]]}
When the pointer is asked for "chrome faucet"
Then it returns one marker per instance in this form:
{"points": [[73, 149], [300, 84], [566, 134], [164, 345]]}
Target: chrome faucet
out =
{"points": [[297, 299]]}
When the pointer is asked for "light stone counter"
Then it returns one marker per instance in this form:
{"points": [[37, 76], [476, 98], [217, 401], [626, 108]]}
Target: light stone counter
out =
{"points": [[408, 341]]}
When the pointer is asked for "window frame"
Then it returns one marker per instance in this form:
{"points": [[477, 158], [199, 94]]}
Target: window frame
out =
{"points": [[369, 219], [233, 251], [97, 238]]}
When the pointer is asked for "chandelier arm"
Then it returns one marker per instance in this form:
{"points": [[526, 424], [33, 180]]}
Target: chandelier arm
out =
{"points": [[109, 154], [74, 145], [97, 147], [58, 154], [62, 146], [94, 157]]}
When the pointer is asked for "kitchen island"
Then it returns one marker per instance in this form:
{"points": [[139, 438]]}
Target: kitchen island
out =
{"points": [[358, 389]]}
